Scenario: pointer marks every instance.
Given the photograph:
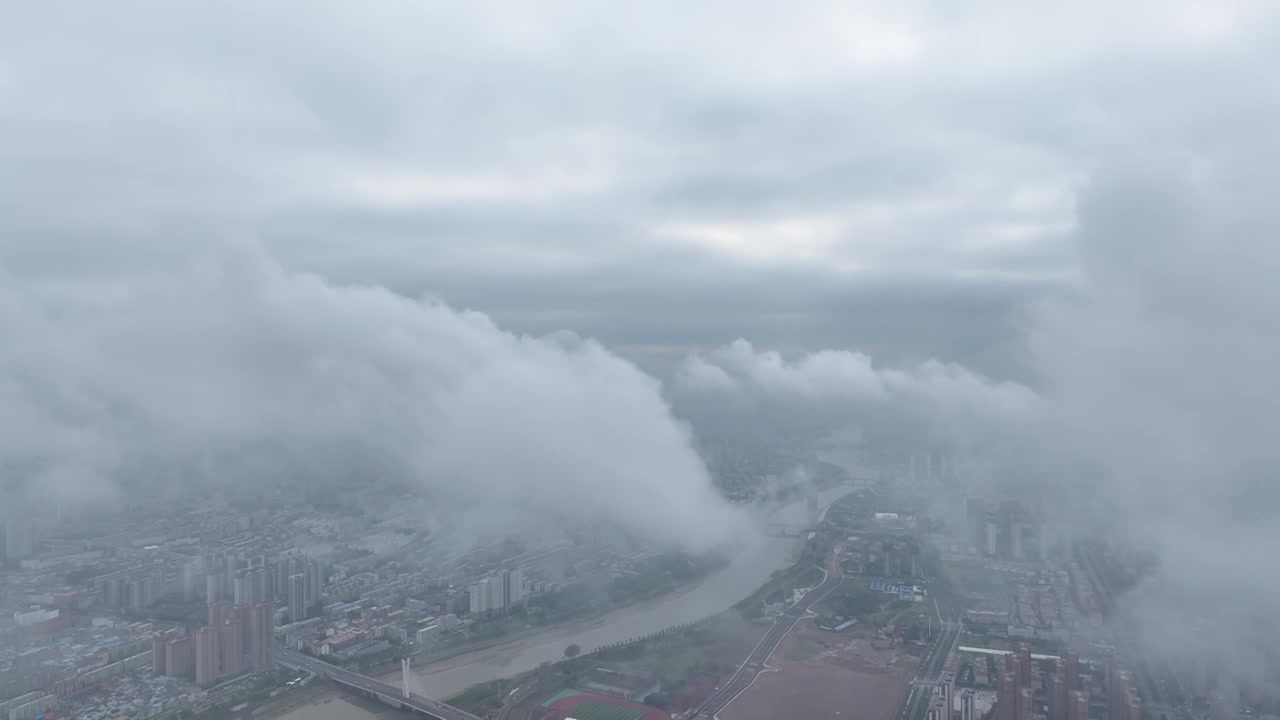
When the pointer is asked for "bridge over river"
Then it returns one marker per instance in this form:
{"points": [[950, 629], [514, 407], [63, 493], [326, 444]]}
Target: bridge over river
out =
{"points": [[401, 697]]}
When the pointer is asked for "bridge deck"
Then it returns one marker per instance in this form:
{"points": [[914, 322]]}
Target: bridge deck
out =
{"points": [[364, 683]]}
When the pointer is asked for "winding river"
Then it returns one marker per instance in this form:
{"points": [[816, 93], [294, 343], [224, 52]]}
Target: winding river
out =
{"points": [[750, 569]]}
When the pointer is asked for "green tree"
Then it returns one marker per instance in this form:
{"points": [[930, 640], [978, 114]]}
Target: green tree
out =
{"points": [[658, 700], [572, 651]]}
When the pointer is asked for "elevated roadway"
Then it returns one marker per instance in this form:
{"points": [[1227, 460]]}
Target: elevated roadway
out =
{"points": [[364, 684], [755, 662], [929, 673]]}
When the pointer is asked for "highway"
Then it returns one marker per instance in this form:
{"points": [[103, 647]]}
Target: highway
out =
{"points": [[930, 669], [432, 708], [755, 662]]}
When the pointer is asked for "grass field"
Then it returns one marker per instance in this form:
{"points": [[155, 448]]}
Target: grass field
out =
{"points": [[592, 710]]}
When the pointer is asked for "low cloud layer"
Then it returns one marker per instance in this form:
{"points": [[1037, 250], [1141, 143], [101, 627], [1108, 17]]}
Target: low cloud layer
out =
{"points": [[234, 370], [846, 379]]}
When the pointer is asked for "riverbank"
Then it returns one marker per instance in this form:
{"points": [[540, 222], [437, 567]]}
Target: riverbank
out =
{"points": [[389, 670], [750, 569], [675, 655], [713, 646], [333, 704], [534, 636]]}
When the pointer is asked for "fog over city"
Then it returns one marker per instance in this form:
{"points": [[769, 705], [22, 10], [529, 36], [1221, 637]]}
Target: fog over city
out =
{"points": [[234, 371], [1153, 373], [410, 299]]}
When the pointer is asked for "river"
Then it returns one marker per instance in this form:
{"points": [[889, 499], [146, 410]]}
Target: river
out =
{"points": [[749, 570]]}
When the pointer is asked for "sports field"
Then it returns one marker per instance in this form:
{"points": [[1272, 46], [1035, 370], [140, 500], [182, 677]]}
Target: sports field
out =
{"points": [[577, 705], [592, 710]]}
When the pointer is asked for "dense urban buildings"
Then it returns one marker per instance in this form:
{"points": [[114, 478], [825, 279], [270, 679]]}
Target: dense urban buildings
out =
{"points": [[186, 600], [174, 600]]}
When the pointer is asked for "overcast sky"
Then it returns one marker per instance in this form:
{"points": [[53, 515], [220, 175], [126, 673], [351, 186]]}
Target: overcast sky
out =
{"points": [[888, 176]]}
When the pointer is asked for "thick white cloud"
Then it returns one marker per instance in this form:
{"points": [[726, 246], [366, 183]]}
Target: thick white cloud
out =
{"points": [[949, 385], [1162, 371], [1154, 414], [698, 374], [842, 376], [829, 373], [237, 371]]}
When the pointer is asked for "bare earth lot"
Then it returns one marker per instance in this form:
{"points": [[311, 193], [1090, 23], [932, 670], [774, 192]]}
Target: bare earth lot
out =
{"points": [[847, 678]]}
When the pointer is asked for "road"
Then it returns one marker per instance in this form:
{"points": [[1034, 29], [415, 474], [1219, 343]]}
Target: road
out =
{"points": [[930, 669], [297, 661], [755, 662]]}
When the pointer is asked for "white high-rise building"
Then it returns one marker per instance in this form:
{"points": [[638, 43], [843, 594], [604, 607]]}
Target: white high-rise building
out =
{"points": [[241, 592], [967, 705], [947, 688], [192, 580], [313, 571], [213, 587], [481, 594], [497, 592], [260, 585], [297, 597], [512, 587], [493, 587]]}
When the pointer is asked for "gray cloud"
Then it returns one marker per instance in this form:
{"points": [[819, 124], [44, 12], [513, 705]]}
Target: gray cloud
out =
{"points": [[1152, 419], [1160, 369], [233, 369], [842, 378], [883, 146]]}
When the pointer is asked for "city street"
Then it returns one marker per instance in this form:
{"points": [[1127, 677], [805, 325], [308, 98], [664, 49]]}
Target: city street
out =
{"points": [[930, 670]]}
